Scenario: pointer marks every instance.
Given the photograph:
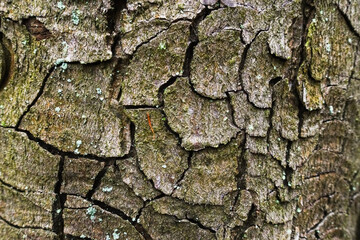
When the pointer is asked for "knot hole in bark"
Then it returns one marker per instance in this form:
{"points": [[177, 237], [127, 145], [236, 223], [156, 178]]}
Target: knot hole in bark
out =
{"points": [[6, 60]]}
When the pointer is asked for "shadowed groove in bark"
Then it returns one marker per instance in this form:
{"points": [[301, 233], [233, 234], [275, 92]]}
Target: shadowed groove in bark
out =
{"points": [[58, 205], [240, 230], [22, 227], [97, 180], [357, 233], [191, 153], [7, 61]]}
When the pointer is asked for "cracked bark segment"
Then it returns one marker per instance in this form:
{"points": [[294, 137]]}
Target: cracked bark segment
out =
{"points": [[81, 29], [352, 11], [278, 147], [245, 20], [115, 193], [141, 20], [215, 64], [268, 232], [281, 40], [333, 135], [318, 164], [311, 124], [154, 64], [76, 114], [96, 223], [336, 100], [24, 80], [136, 180], [79, 175], [211, 176], [17, 208], [160, 157], [212, 217], [331, 47], [257, 145], [199, 122], [25, 165], [277, 212], [171, 228], [255, 121], [285, 118], [259, 69], [301, 150], [26, 233], [333, 226], [263, 166], [309, 90]]}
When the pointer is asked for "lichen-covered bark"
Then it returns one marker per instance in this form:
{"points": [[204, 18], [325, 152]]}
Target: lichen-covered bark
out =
{"points": [[195, 119]]}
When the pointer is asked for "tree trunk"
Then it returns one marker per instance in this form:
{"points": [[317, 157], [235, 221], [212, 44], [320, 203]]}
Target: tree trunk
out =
{"points": [[180, 119]]}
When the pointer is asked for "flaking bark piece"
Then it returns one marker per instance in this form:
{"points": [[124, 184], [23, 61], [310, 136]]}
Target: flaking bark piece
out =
{"points": [[160, 156], [200, 122]]}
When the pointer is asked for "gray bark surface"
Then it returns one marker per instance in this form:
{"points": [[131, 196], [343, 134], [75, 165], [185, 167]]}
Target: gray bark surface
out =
{"points": [[189, 119]]}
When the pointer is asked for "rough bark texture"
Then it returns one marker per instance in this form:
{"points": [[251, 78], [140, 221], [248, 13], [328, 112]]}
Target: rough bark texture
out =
{"points": [[190, 119]]}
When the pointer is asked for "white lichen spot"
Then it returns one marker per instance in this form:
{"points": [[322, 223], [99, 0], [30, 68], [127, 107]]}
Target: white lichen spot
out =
{"points": [[250, 127], [64, 66], [107, 189], [331, 109], [60, 5], [107, 237], [82, 236], [1, 107], [59, 61], [116, 235], [75, 17], [162, 46], [59, 91], [288, 231], [68, 80], [163, 166], [76, 151], [91, 212], [57, 109], [78, 143], [298, 210], [349, 40], [98, 91], [258, 77], [328, 47], [58, 211]]}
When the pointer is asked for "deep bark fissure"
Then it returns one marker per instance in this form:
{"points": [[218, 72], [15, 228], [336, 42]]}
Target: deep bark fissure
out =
{"points": [[58, 204], [97, 180]]}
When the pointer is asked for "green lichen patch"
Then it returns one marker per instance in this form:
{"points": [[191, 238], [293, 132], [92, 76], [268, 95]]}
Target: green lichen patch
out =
{"points": [[79, 175], [96, 223], [215, 65], [285, 118], [114, 192], [259, 68], [257, 145], [152, 66], [171, 228], [25, 165], [78, 115], [211, 176], [255, 121], [276, 212], [200, 122], [159, 154]]}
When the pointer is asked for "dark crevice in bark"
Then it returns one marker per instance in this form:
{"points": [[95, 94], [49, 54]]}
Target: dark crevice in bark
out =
{"points": [[121, 214], [348, 22], [199, 224], [357, 233], [162, 88], [40, 92], [12, 187], [97, 180], [37, 28], [232, 110], [58, 204], [194, 40], [178, 182], [240, 176], [23, 227], [242, 65], [8, 62], [250, 221], [288, 170]]}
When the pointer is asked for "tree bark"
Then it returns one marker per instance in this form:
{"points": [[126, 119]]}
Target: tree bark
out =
{"points": [[184, 119]]}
